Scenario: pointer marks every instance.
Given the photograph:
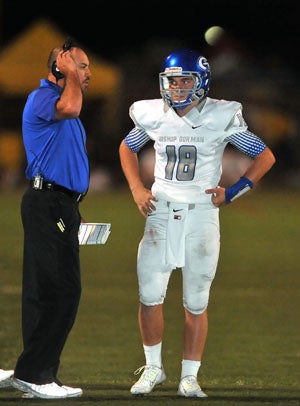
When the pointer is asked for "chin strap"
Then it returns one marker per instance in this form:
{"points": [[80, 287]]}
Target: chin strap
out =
{"points": [[238, 189]]}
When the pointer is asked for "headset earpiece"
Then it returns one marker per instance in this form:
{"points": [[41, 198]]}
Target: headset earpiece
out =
{"points": [[56, 72], [69, 43]]}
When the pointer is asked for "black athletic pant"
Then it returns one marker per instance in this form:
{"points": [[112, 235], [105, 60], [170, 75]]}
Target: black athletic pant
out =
{"points": [[51, 281]]}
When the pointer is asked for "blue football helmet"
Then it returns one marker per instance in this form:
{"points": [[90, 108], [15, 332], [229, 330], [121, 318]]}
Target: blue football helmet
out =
{"points": [[184, 62]]}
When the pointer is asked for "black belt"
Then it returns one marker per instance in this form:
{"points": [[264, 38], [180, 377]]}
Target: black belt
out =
{"points": [[46, 185]]}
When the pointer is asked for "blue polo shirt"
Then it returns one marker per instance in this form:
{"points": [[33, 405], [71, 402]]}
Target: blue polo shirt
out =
{"points": [[54, 148]]}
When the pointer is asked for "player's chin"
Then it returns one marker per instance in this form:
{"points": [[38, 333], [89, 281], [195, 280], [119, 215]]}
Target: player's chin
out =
{"points": [[179, 99]]}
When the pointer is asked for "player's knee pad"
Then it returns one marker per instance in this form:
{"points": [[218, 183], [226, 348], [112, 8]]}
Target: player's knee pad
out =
{"points": [[151, 300], [152, 289], [196, 302], [152, 293]]}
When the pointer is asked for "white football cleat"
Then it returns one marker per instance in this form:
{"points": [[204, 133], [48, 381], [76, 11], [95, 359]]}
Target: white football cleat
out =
{"points": [[189, 388], [72, 392], [46, 391], [151, 377], [5, 378]]}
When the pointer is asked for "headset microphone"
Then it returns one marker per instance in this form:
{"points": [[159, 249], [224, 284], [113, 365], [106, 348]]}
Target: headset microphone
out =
{"points": [[66, 47]]}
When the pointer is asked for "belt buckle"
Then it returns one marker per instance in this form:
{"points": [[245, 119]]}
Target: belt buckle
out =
{"points": [[37, 182]]}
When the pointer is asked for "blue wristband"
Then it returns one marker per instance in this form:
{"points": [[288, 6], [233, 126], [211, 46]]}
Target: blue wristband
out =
{"points": [[238, 189]]}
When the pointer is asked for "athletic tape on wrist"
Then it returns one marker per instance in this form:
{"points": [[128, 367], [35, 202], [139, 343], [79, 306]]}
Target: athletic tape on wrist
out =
{"points": [[238, 189]]}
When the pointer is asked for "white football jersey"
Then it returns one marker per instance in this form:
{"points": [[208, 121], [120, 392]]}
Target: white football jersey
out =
{"points": [[189, 149]]}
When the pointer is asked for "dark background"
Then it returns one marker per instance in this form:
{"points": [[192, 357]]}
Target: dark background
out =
{"points": [[266, 27], [256, 63]]}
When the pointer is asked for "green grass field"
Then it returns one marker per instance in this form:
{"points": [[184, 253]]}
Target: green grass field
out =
{"points": [[253, 347]]}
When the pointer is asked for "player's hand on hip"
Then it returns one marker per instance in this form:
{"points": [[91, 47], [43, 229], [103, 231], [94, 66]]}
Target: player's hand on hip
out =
{"points": [[144, 200], [218, 197]]}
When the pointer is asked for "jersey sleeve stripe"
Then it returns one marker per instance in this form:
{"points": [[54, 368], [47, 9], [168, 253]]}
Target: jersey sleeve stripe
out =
{"points": [[247, 142], [136, 139]]}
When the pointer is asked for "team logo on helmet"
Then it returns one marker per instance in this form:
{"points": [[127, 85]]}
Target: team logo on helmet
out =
{"points": [[202, 62]]}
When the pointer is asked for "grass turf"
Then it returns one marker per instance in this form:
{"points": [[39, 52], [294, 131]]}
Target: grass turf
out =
{"points": [[252, 351]]}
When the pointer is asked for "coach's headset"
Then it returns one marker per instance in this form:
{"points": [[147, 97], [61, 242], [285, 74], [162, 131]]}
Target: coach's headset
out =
{"points": [[66, 47]]}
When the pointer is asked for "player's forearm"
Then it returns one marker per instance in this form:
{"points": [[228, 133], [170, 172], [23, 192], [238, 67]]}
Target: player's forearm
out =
{"points": [[260, 166], [130, 166]]}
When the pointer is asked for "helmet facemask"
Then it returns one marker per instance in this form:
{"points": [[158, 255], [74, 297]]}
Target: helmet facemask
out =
{"points": [[179, 97]]}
